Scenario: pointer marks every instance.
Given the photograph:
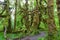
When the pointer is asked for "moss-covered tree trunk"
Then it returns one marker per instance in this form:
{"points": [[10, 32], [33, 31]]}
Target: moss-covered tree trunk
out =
{"points": [[26, 16], [15, 14], [50, 21], [36, 17], [8, 17], [58, 7]]}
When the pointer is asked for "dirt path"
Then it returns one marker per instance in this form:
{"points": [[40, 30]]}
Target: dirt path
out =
{"points": [[42, 34]]}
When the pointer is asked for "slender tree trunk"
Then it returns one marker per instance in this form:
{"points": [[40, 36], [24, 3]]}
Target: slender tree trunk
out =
{"points": [[15, 14], [26, 15], [58, 8], [9, 17]]}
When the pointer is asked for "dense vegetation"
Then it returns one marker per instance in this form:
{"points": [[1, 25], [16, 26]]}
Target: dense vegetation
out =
{"points": [[21, 18]]}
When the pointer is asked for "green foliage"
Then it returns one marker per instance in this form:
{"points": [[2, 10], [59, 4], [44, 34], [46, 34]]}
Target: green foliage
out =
{"points": [[20, 22], [2, 36], [41, 39]]}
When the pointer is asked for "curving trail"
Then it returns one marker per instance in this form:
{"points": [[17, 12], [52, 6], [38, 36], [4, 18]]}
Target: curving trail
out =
{"points": [[42, 34], [35, 37]]}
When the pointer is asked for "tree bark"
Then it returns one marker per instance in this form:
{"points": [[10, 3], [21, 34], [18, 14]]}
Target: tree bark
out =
{"points": [[50, 21], [8, 17], [58, 8], [27, 16], [15, 14]]}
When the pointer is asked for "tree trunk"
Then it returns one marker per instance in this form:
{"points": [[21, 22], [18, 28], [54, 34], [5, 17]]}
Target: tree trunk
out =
{"points": [[15, 14], [26, 16], [8, 17], [51, 22], [58, 8]]}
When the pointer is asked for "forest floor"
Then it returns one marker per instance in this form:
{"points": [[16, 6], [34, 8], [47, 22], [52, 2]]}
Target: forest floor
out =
{"points": [[34, 37], [41, 36]]}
